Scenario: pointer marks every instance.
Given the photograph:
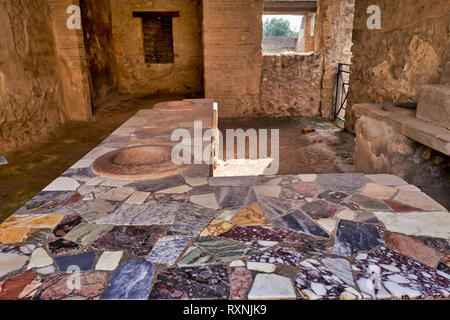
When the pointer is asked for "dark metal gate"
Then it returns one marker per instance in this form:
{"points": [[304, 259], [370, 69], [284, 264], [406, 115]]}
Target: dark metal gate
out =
{"points": [[341, 91]]}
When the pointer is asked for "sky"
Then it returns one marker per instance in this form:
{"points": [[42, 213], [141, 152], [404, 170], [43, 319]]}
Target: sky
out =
{"points": [[295, 21]]}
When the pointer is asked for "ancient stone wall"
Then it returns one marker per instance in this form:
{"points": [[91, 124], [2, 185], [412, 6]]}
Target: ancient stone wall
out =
{"points": [[97, 31], [333, 37], [290, 85], [136, 76], [71, 61], [233, 54], [278, 44], [412, 48], [380, 149], [31, 102]]}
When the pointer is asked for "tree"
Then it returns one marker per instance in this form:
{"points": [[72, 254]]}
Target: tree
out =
{"points": [[278, 27]]}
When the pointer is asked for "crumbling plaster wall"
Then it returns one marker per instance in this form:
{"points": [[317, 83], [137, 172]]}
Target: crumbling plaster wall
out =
{"points": [[232, 31], [137, 77], [333, 37], [412, 48], [290, 85], [97, 31], [380, 149], [31, 102]]}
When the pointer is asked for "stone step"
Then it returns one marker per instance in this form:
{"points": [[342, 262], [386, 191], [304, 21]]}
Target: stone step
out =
{"points": [[434, 104]]}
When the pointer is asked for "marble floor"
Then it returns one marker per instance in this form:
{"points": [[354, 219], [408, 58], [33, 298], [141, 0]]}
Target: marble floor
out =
{"points": [[192, 236]]}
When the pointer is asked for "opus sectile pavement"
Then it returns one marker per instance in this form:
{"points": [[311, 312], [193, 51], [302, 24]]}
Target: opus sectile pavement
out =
{"points": [[331, 236]]}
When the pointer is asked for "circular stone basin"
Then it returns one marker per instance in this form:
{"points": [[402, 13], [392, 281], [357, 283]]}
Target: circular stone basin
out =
{"points": [[137, 163], [175, 106]]}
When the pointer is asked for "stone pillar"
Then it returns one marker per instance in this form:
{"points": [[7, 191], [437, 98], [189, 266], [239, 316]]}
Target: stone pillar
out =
{"points": [[301, 36], [232, 31], [72, 62], [334, 24], [309, 31]]}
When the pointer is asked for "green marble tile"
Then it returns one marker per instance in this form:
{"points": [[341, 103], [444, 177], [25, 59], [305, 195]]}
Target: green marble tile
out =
{"points": [[223, 249], [86, 233], [196, 257]]}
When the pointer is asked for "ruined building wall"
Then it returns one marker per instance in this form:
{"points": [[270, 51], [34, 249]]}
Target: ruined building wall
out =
{"points": [[333, 37], [31, 101], [412, 48], [290, 85], [138, 77], [97, 27], [233, 54]]}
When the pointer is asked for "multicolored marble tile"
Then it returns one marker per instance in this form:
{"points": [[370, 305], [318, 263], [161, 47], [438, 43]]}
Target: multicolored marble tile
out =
{"points": [[32, 221], [216, 227], [191, 219], [206, 283], [240, 280], [258, 237], [229, 197], [109, 261], [156, 185], [315, 281], [320, 209], [14, 235], [399, 207], [223, 249], [345, 182], [305, 244], [419, 200], [91, 286], [39, 236], [414, 248], [20, 287], [298, 221], [369, 203], [11, 262], [86, 233], [332, 196], [137, 241], [401, 276], [352, 237], [271, 286], [428, 224], [117, 194], [250, 216], [47, 202], [39, 258], [267, 190], [274, 207], [94, 209], [168, 249], [67, 224], [196, 257], [131, 281], [308, 190], [142, 215], [63, 246], [278, 256], [84, 261]]}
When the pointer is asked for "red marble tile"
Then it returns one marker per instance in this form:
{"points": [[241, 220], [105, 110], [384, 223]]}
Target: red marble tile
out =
{"points": [[12, 289], [399, 207], [240, 280]]}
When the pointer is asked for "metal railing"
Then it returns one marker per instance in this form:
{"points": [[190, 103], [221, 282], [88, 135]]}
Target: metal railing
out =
{"points": [[341, 92]]}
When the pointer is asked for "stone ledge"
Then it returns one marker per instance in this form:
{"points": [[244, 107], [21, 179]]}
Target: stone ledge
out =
{"points": [[432, 136]]}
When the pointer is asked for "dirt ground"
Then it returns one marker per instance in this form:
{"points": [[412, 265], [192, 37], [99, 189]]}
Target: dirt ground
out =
{"points": [[32, 169], [327, 149]]}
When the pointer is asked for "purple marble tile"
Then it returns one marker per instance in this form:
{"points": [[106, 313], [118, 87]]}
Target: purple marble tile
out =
{"points": [[401, 276], [47, 202], [204, 283], [279, 256], [333, 196], [320, 209], [257, 236], [138, 241]]}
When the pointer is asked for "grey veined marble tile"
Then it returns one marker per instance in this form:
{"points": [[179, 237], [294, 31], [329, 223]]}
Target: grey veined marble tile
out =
{"points": [[168, 249], [142, 215]]}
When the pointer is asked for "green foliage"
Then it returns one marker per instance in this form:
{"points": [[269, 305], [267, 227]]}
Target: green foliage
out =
{"points": [[278, 28]]}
